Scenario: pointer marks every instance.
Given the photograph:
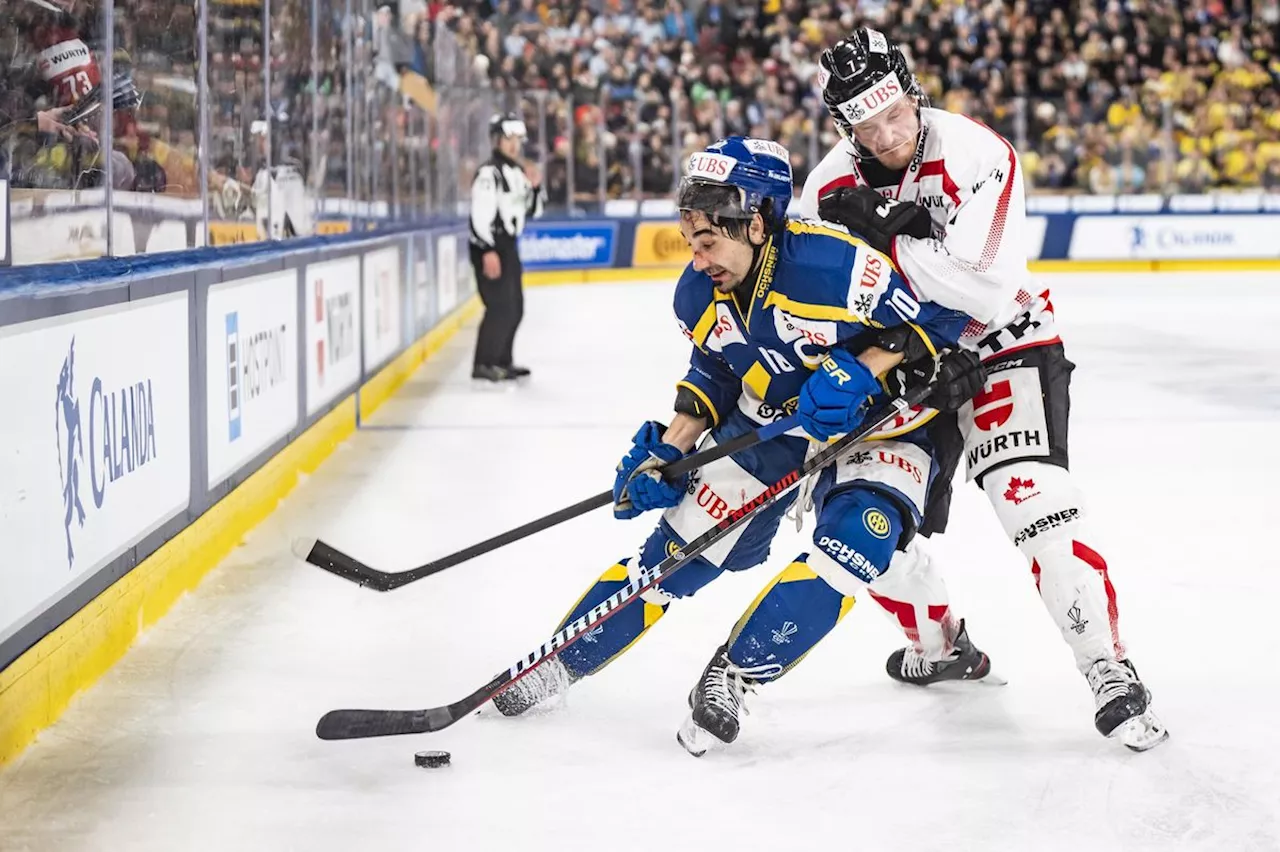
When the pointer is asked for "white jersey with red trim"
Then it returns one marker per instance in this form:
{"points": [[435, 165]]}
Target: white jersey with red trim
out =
{"points": [[970, 180]]}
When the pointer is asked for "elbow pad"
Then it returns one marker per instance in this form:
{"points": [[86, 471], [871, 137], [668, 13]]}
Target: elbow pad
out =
{"points": [[688, 402]]}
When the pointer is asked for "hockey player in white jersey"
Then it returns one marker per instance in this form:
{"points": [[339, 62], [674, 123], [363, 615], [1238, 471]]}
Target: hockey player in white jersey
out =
{"points": [[943, 196]]}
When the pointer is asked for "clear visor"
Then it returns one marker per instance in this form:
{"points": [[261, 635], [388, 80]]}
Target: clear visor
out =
{"points": [[716, 200], [890, 129]]}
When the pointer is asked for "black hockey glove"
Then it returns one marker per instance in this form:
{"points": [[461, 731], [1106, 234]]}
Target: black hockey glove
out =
{"points": [[875, 218], [958, 374]]}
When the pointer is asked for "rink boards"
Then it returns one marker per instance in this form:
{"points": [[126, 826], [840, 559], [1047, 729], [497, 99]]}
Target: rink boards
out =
{"points": [[174, 445], [155, 418]]}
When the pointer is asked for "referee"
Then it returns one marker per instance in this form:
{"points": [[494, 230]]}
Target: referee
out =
{"points": [[504, 193]]}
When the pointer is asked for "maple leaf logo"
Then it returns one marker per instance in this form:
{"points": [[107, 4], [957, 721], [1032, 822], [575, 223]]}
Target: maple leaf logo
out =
{"points": [[1018, 488]]}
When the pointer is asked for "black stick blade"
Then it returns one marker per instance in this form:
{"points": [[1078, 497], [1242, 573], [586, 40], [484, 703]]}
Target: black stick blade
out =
{"points": [[328, 557], [362, 724]]}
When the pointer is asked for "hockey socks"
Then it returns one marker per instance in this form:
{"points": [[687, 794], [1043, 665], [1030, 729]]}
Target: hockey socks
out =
{"points": [[788, 618], [597, 649]]}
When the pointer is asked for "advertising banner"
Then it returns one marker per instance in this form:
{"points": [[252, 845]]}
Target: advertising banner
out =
{"points": [[1034, 236], [382, 277], [660, 244], [465, 276], [332, 327], [446, 273], [1175, 237], [424, 302], [252, 371], [95, 445], [566, 245]]}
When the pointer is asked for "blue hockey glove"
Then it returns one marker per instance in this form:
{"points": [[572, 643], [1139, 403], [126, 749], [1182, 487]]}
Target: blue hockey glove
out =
{"points": [[639, 486], [835, 398]]}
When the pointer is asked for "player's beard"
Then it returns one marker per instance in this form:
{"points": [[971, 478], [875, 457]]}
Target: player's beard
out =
{"points": [[889, 157]]}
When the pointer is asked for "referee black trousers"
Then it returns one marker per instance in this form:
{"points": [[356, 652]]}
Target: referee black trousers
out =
{"points": [[503, 299]]}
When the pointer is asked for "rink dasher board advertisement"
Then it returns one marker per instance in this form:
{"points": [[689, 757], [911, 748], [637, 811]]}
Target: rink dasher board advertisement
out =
{"points": [[383, 274], [95, 453], [446, 273], [252, 371], [331, 317], [563, 245], [1174, 236]]}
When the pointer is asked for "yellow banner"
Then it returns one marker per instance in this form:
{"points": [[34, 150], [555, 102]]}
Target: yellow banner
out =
{"points": [[660, 244], [333, 226], [232, 233]]}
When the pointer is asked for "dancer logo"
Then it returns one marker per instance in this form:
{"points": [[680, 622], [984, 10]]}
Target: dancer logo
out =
{"points": [[121, 438]]}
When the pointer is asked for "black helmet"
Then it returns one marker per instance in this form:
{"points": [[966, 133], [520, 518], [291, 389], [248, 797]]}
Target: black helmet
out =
{"points": [[506, 124], [862, 75]]}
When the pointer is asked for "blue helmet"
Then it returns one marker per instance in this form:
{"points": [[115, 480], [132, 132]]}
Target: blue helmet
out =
{"points": [[759, 169]]}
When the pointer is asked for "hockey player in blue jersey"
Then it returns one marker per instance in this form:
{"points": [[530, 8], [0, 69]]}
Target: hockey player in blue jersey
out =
{"points": [[784, 316]]}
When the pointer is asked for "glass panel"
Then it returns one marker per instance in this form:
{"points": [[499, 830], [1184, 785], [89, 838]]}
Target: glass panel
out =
{"points": [[330, 175], [51, 122], [237, 132], [155, 173], [555, 154], [292, 204]]}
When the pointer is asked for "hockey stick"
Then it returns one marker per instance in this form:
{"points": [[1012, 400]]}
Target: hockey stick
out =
{"points": [[326, 556], [358, 724]]}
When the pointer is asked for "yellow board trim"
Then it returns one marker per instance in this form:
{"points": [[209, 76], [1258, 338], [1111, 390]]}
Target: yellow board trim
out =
{"points": [[38, 686]]}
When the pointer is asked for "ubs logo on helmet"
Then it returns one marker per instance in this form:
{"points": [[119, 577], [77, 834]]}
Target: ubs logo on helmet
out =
{"points": [[710, 166]]}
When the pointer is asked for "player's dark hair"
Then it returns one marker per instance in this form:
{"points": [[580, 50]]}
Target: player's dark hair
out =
{"points": [[722, 205]]}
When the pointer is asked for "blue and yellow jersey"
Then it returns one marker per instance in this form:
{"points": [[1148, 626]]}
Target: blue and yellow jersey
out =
{"points": [[817, 287]]}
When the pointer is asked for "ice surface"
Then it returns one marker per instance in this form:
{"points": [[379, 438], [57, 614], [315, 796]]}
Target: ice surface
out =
{"points": [[202, 737]]}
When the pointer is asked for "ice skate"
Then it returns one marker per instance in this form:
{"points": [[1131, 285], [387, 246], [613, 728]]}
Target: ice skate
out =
{"points": [[717, 703], [546, 681], [965, 662], [1124, 705]]}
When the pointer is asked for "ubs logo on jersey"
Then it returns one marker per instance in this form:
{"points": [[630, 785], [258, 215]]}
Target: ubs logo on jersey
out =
{"points": [[885, 457], [871, 272], [791, 328], [725, 331], [992, 408], [712, 503]]}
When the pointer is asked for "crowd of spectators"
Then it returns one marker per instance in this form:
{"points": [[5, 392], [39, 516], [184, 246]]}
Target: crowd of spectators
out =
{"points": [[1102, 96]]}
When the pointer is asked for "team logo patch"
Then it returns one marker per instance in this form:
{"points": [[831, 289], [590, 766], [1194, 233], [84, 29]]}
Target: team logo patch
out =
{"points": [[991, 408], [1020, 490], [877, 523]]}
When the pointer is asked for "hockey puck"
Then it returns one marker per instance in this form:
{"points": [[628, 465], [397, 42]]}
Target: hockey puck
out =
{"points": [[431, 759]]}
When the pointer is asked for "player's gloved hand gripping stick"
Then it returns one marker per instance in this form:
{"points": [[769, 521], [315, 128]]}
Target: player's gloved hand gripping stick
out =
{"points": [[328, 557], [357, 724]]}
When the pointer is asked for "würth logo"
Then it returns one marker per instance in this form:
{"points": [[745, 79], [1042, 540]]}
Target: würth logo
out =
{"points": [[991, 408]]}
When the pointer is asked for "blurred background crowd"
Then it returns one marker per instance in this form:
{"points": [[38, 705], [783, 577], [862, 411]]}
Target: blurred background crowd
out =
{"points": [[305, 106]]}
